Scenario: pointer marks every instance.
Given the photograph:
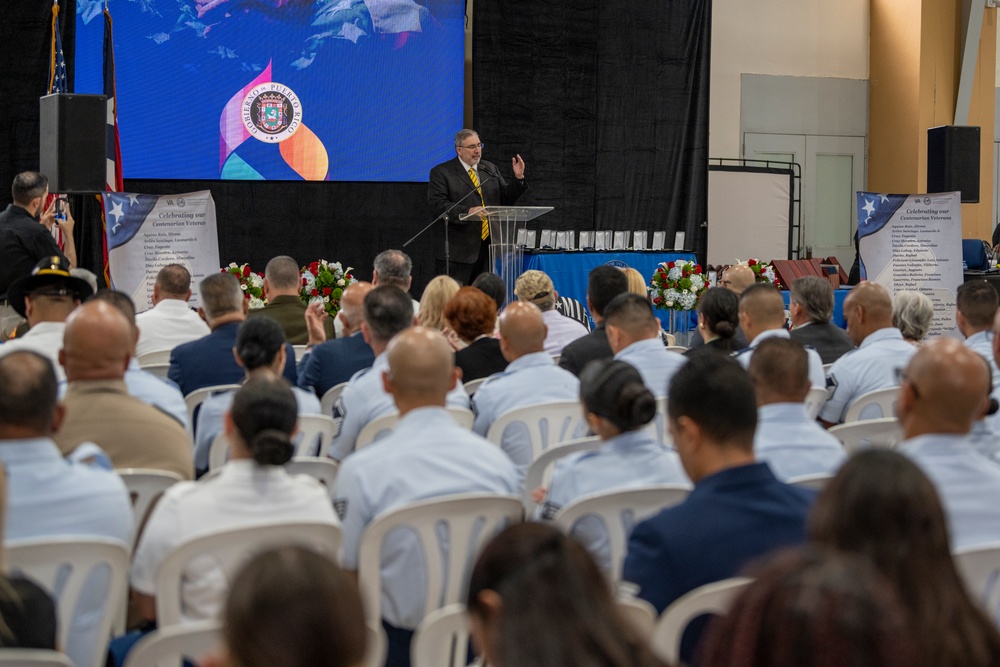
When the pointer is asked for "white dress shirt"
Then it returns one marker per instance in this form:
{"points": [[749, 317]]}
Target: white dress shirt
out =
{"points": [[168, 324], [562, 331], [45, 338]]}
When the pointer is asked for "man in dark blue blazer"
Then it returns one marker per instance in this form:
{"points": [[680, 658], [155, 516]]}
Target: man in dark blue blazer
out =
{"points": [[448, 184], [329, 363], [737, 512], [210, 360]]}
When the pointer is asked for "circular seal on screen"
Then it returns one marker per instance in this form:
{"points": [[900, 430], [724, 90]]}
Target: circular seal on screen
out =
{"points": [[271, 112]]}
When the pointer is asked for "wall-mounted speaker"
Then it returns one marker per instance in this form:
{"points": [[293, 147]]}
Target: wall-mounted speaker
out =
{"points": [[953, 160], [72, 144]]}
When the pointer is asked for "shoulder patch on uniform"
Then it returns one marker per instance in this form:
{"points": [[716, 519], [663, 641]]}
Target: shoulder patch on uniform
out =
{"points": [[549, 510], [340, 507], [831, 383]]}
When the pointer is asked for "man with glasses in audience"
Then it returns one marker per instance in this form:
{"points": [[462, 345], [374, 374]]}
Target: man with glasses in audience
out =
{"points": [[480, 183]]}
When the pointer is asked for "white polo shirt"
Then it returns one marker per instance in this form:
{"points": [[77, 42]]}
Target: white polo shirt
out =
{"points": [[168, 324]]}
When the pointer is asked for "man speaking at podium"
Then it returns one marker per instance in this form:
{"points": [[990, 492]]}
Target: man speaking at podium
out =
{"points": [[480, 183]]}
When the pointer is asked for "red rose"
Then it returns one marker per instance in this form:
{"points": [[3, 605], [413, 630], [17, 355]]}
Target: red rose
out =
{"points": [[303, 282], [697, 270], [658, 300], [751, 262], [246, 271], [314, 267], [347, 276], [670, 265], [315, 292], [326, 291]]}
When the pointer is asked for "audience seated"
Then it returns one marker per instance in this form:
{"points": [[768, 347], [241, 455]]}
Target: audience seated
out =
{"points": [[882, 507], [282, 282], [292, 607], [944, 390], [634, 334], [912, 314], [253, 488], [97, 348], [812, 609], [170, 322], [881, 352], [209, 361], [260, 349], [787, 438], [636, 283], [604, 284], [976, 305], [718, 322], [536, 599], [49, 496], [531, 378], [393, 268], [536, 287], [737, 511], [331, 362], [426, 456], [617, 406], [736, 279], [45, 298], [494, 287], [810, 308], [388, 311], [472, 315], [762, 316], [432, 303]]}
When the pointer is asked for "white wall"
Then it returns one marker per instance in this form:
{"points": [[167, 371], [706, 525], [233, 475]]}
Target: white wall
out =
{"points": [[782, 37]]}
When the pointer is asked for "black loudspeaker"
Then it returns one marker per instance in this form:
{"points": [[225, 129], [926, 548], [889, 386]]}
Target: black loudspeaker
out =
{"points": [[953, 160], [72, 146]]}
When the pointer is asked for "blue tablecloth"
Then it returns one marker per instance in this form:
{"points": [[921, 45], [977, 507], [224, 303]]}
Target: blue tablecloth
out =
{"points": [[838, 304]]}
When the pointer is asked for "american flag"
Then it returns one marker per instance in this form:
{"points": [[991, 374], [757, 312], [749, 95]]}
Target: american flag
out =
{"points": [[57, 62], [113, 177]]}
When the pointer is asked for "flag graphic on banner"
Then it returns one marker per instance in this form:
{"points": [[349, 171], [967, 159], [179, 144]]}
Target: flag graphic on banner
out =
{"points": [[874, 212]]}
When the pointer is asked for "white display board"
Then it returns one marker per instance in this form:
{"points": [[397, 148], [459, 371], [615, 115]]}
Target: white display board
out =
{"points": [[749, 211]]}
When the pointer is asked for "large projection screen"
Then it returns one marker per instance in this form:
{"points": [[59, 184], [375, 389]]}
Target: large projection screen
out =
{"points": [[749, 213]]}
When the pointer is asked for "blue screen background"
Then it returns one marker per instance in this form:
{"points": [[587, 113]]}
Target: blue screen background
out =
{"points": [[386, 107]]}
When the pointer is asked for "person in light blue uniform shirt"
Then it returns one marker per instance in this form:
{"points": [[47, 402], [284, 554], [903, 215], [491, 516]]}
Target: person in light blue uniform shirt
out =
{"points": [[762, 316], [260, 350], [427, 456], [787, 438], [531, 378], [617, 406], [49, 496], [976, 304], [943, 391], [388, 311], [881, 353], [634, 336]]}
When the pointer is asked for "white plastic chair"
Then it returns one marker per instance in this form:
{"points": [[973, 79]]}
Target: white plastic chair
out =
{"points": [[826, 368], [814, 482], [376, 427], [230, 549], [323, 469], [715, 598], [884, 399], [145, 486], [156, 362], [329, 399], [880, 433], [62, 566], [669, 338], [300, 351], [639, 614], [680, 349], [166, 647], [198, 396], [658, 426], [470, 520], [472, 385], [442, 638], [980, 570], [815, 400], [33, 657], [539, 472], [312, 428], [620, 511], [547, 424]]}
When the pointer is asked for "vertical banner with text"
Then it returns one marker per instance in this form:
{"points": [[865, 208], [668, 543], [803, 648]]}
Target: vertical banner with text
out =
{"points": [[914, 242], [147, 232]]}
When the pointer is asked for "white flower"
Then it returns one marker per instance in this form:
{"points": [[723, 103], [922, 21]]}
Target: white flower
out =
{"points": [[326, 299], [243, 287], [674, 273], [687, 300], [340, 283]]}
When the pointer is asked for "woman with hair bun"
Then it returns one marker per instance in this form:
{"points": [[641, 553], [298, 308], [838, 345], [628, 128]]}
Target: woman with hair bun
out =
{"points": [[617, 407], [251, 489], [718, 319]]}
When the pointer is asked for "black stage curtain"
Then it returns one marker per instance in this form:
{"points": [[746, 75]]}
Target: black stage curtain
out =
{"points": [[608, 104]]}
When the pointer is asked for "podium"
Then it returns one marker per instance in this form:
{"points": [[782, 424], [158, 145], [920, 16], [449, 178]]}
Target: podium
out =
{"points": [[505, 255]]}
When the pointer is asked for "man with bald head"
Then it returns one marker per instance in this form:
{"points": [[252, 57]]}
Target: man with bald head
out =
{"points": [[762, 316], [531, 378], [426, 456], [171, 321], [944, 389], [881, 352], [97, 348], [330, 362], [634, 335]]}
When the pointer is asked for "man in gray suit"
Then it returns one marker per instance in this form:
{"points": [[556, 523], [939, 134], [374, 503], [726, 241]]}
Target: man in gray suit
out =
{"points": [[811, 310]]}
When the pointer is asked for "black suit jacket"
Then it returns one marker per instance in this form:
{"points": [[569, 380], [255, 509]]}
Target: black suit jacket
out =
{"points": [[448, 183], [583, 350], [828, 339], [481, 359]]}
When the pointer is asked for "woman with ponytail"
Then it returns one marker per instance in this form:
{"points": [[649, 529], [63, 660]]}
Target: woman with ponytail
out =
{"points": [[617, 407], [251, 489]]}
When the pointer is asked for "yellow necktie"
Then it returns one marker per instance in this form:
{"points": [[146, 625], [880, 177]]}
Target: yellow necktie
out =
{"points": [[486, 223]]}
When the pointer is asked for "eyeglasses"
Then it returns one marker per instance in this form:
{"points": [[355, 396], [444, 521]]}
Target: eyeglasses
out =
{"points": [[473, 147]]}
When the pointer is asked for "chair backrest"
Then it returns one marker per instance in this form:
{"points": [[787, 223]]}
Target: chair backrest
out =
{"points": [[167, 647], [300, 351], [680, 349], [658, 426], [376, 427], [470, 520], [329, 400], [230, 549], [323, 469], [619, 511], [159, 370], [814, 482], [713, 598], [198, 396], [145, 486], [669, 339], [883, 399], [442, 638], [154, 358], [826, 368], [980, 570], [881, 433], [33, 657], [547, 424], [540, 469], [815, 400], [62, 566], [639, 614], [472, 385], [313, 429]]}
